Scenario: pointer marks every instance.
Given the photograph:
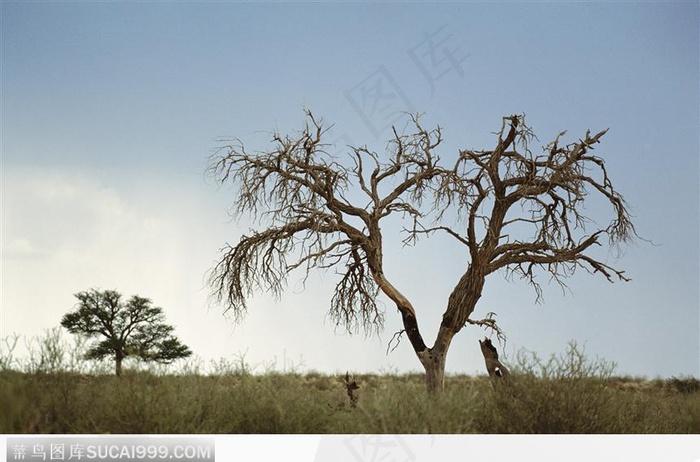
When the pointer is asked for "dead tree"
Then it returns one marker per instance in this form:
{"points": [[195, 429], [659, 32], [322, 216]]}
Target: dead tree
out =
{"points": [[516, 211], [494, 367]]}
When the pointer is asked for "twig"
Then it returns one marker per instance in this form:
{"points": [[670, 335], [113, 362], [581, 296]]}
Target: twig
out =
{"points": [[490, 323], [397, 337]]}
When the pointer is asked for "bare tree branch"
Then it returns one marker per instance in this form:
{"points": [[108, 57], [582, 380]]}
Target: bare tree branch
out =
{"points": [[489, 322]]}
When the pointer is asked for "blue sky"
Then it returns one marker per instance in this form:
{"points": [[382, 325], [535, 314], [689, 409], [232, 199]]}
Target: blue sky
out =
{"points": [[111, 110]]}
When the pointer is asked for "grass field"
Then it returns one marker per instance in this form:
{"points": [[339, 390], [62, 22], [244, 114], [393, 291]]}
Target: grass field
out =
{"points": [[568, 394]]}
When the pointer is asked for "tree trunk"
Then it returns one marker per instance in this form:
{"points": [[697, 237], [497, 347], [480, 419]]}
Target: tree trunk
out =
{"points": [[434, 360], [434, 364], [118, 364], [460, 305]]}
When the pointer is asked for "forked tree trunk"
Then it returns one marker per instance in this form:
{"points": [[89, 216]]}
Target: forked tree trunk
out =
{"points": [[434, 360], [461, 304]]}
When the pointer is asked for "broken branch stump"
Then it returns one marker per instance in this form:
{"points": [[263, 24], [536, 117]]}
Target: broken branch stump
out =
{"points": [[494, 367]]}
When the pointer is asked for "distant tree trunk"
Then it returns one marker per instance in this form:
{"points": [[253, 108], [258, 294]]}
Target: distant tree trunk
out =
{"points": [[119, 357]]}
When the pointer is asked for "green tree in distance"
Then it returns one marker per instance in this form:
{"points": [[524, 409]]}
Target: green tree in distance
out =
{"points": [[123, 328]]}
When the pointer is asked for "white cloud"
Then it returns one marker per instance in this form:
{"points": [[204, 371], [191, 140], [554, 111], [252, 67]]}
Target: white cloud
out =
{"points": [[20, 248], [66, 232]]}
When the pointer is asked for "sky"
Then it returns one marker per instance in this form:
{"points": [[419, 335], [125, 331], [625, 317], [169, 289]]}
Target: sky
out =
{"points": [[111, 111]]}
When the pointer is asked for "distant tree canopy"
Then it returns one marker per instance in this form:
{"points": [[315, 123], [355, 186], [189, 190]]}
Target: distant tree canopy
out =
{"points": [[515, 210], [123, 328]]}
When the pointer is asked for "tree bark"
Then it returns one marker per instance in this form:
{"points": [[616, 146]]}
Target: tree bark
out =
{"points": [[434, 360], [434, 365], [461, 304], [118, 364]]}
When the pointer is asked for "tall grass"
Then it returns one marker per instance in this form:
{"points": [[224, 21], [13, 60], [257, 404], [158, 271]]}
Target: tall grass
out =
{"points": [[570, 394], [50, 393]]}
